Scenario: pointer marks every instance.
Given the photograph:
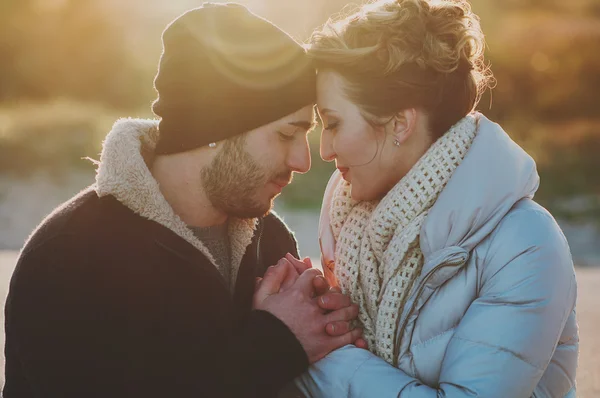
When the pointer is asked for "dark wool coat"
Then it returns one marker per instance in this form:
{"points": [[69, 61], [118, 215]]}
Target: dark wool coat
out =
{"points": [[111, 297]]}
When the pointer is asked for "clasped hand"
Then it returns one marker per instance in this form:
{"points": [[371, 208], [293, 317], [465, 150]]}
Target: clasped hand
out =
{"points": [[320, 316]]}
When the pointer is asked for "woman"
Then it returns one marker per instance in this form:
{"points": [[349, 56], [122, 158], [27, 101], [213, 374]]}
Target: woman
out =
{"points": [[465, 285]]}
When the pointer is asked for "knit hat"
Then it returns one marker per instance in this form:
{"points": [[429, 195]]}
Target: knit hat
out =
{"points": [[224, 71]]}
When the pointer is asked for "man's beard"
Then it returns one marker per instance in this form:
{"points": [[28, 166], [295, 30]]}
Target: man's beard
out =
{"points": [[233, 180]]}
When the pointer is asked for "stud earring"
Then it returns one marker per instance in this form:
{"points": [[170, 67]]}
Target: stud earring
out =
{"points": [[212, 145], [396, 142]]}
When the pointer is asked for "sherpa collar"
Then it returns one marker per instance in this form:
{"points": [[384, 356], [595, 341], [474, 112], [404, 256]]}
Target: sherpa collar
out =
{"points": [[124, 174]]}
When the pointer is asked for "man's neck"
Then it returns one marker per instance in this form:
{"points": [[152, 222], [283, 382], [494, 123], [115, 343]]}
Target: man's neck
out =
{"points": [[182, 188]]}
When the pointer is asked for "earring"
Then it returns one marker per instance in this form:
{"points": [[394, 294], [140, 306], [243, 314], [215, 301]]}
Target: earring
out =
{"points": [[212, 145], [396, 142]]}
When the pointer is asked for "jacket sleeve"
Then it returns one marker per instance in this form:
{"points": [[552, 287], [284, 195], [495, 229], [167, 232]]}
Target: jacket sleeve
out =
{"points": [[73, 340], [276, 241], [503, 343]]}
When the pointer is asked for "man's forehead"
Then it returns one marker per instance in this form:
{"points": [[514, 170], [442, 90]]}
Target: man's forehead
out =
{"points": [[304, 117]]}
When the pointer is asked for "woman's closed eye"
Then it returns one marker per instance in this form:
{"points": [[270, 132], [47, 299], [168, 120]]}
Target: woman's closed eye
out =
{"points": [[331, 126]]}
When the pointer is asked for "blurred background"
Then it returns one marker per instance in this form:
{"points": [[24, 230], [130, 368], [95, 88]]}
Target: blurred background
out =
{"points": [[69, 68]]}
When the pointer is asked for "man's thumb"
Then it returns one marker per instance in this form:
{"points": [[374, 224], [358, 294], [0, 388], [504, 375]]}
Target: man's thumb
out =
{"points": [[271, 283]]}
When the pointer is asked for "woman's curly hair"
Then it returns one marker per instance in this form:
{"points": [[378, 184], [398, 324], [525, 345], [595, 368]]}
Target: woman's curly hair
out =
{"points": [[401, 54]]}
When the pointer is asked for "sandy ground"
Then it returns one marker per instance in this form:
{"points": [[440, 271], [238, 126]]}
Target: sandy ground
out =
{"points": [[588, 312]]}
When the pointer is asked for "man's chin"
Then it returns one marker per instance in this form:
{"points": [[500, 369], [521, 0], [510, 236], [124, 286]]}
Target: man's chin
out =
{"points": [[268, 207], [259, 210]]}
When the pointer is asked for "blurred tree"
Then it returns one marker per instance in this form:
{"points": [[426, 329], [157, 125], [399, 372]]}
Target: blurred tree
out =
{"points": [[9, 47], [545, 55], [53, 136], [70, 49]]}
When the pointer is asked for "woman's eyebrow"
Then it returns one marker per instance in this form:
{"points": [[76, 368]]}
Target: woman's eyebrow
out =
{"points": [[326, 110]]}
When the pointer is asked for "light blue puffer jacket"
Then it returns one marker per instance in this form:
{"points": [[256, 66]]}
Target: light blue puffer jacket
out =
{"points": [[493, 312]]}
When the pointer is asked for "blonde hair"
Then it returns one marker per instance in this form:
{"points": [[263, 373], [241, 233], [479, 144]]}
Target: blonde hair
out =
{"points": [[401, 54]]}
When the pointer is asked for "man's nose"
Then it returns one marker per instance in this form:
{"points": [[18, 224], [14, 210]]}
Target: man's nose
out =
{"points": [[299, 157], [326, 147]]}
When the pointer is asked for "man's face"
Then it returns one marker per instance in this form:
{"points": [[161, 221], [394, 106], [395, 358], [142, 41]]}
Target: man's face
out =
{"points": [[251, 170]]}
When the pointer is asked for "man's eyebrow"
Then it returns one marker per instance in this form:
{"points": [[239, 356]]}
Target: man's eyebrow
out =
{"points": [[303, 124]]}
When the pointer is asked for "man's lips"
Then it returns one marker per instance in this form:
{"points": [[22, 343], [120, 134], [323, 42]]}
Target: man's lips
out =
{"points": [[280, 184]]}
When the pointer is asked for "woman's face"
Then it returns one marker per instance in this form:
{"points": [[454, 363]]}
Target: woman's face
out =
{"points": [[365, 154]]}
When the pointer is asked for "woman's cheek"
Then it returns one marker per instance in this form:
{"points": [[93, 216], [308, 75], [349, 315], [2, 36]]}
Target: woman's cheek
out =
{"points": [[357, 191], [346, 147]]}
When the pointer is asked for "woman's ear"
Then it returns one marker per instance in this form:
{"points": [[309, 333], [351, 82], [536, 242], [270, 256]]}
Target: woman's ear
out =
{"points": [[403, 125]]}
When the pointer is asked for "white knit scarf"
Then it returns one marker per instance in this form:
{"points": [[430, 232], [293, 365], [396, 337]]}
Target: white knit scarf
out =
{"points": [[377, 251]]}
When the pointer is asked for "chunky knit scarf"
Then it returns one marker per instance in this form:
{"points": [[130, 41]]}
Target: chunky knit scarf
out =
{"points": [[377, 242]]}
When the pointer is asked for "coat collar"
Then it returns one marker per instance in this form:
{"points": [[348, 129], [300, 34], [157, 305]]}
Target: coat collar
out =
{"points": [[123, 173], [495, 174]]}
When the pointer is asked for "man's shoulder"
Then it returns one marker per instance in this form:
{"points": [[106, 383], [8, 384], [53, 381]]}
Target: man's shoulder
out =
{"points": [[84, 216], [61, 219], [274, 224], [277, 238], [91, 235]]}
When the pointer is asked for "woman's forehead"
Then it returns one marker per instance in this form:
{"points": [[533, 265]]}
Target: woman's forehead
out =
{"points": [[330, 92]]}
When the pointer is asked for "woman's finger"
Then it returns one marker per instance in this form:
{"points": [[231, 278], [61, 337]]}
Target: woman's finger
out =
{"points": [[321, 285], [348, 338], [335, 289], [345, 314], [300, 266], [333, 301], [307, 261], [257, 282], [361, 343], [338, 328]]}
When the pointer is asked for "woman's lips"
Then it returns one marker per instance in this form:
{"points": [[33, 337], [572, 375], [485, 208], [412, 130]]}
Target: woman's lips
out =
{"points": [[344, 171]]}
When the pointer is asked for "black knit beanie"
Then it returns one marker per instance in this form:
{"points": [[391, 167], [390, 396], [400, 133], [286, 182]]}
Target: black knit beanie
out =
{"points": [[224, 71]]}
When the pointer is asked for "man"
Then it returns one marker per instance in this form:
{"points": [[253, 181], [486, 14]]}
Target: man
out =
{"points": [[143, 284]]}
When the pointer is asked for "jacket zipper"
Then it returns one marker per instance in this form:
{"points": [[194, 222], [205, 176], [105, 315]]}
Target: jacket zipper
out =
{"points": [[414, 304], [258, 256]]}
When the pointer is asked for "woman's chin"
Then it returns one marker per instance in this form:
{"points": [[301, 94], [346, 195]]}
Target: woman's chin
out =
{"points": [[358, 193]]}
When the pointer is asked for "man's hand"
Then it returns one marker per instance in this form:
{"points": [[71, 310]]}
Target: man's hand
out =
{"points": [[294, 268], [297, 307], [330, 299]]}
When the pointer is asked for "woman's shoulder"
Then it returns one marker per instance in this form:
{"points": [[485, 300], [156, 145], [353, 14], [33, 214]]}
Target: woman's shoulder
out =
{"points": [[530, 224], [527, 241]]}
